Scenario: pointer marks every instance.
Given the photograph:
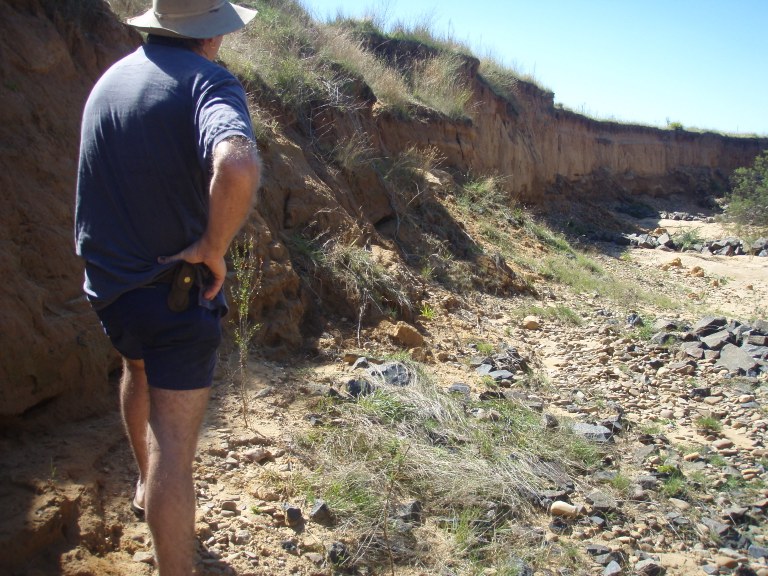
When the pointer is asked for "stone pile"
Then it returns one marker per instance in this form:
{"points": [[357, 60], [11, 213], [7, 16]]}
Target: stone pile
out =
{"points": [[730, 246], [738, 347]]}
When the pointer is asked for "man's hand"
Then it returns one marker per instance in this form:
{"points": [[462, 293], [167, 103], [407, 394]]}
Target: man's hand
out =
{"points": [[197, 254]]}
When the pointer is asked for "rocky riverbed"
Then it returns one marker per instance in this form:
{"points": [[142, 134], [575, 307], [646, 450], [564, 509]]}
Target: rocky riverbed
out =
{"points": [[681, 490]]}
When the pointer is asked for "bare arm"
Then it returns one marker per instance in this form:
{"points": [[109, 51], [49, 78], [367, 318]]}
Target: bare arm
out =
{"points": [[236, 175]]}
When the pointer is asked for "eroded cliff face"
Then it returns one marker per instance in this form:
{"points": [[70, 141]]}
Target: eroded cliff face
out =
{"points": [[52, 346]]}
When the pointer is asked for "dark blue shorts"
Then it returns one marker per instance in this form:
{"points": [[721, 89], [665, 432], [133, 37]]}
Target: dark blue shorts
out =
{"points": [[178, 348]]}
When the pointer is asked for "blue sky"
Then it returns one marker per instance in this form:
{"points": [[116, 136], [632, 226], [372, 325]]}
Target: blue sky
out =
{"points": [[702, 63]]}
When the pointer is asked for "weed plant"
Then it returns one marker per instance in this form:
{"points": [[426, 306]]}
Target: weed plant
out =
{"points": [[248, 270], [686, 239], [418, 442]]}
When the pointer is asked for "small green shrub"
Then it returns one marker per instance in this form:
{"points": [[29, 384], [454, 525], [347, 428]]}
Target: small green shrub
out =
{"points": [[688, 238], [748, 199], [709, 424]]}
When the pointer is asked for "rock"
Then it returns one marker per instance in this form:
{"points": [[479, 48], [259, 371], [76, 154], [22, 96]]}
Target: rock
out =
{"points": [[601, 502], [593, 432], [531, 323], [718, 339], [410, 512], [680, 504], [320, 513], [293, 516], [358, 387], [258, 455], [649, 567], [499, 375], [459, 388], [549, 422], [726, 561], [564, 509], [407, 335], [338, 553], [709, 325], [391, 374], [613, 569], [736, 360], [144, 557], [242, 537], [757, 551], [722, 444]]}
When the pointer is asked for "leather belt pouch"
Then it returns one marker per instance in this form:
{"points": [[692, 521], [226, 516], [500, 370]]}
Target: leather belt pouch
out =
{"points": [[183, 280]]}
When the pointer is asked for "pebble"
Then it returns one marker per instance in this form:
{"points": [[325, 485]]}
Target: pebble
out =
{"points": [[145, 557], [564, 509]]}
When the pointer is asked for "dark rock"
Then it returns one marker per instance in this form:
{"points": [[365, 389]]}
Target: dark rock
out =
{"points": [[635, 320], [709, 325], [757, 551], [459, 388], [758, 246], [601, 501], [649, 567], [361, 362], [492, 395], [757, 340], [717, 340], [647, 481], [338, 554], [289, 546], [357, 387], [666, 325], [641, 454], [693, 349], [757, 352], [598, 550], [320, 513], [736, 360], [293, 515], [664, 338], [410, 512], [392, 374], [484, 369], [598, 521], [717, 528], [701, 392], [736, 514], [498, 375], [760, 326], [593, 432]]}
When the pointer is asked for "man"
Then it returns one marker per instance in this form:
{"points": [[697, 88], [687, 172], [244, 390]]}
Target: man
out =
{"points": [[167, 175]]}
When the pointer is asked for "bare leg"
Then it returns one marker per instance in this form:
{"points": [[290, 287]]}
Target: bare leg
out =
{"points": [[174, 424], [134, 405]]}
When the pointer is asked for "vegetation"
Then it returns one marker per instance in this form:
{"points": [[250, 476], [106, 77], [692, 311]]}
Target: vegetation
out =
{"points": [[248, 276], [401, 444], [748, 199], [688, 238]]}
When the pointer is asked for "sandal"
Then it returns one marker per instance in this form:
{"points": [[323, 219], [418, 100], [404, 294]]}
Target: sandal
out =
{"points": [[137, 510]]}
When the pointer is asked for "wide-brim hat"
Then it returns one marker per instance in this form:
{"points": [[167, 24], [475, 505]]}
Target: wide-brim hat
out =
{"points": [[192, 18]]}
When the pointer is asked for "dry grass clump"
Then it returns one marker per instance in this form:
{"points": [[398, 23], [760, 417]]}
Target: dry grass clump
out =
{"points": [[475, 467], [438, 83]]}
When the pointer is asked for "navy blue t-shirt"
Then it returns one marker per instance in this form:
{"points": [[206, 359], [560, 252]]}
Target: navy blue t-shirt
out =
{"points": [[149, 129]]}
